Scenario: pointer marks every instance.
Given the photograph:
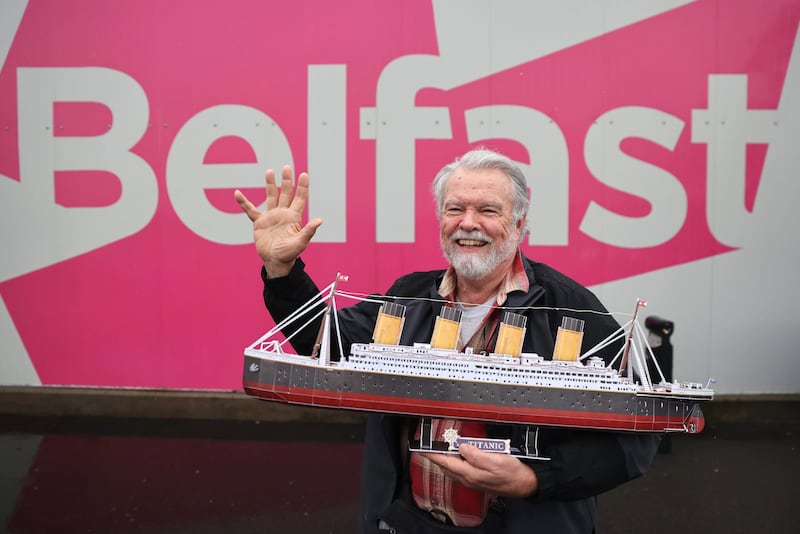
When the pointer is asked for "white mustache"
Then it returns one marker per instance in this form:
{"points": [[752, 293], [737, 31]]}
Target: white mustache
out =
{"points": [[475, 235]]}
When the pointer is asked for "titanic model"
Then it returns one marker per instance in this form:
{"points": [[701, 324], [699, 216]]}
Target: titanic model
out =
{"points": [[507, 386]]}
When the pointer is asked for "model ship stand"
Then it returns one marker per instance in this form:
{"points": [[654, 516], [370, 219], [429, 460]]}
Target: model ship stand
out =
{"points": [[506, 387]]}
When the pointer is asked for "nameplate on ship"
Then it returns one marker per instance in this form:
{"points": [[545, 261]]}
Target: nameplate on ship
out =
{"points": [[454, 440]]}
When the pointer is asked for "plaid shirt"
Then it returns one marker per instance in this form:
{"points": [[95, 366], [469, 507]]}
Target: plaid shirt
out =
{"points": [[516, 280], [432, 490]]}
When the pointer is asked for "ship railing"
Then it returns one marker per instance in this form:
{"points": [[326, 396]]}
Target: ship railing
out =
{"points": [[318, 301], [271, 345], [614, 336], [310, 313], [638, 340]]}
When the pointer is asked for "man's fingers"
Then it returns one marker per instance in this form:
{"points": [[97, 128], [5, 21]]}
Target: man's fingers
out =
{"points": [[313, 224], [287, 185], [472, 454], [310, 229], [286, 196], [486, 461], [283, 197], [451, 463], [250, 210], [497, 473], [469, 460], [301, 195], [272, 190]]}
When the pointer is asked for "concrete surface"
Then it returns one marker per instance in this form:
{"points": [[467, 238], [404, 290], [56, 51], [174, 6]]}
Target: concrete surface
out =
{"points": [[296, 470]]}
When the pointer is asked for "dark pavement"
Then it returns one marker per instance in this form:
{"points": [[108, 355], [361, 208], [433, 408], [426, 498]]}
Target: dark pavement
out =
{"points": [[112, 475]]}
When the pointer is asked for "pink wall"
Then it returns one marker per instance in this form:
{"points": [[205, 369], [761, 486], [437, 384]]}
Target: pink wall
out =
{"points": [[126, 126]]}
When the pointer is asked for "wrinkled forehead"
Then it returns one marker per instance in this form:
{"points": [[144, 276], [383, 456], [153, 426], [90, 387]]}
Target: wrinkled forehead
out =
{"points": [[490, 185]]}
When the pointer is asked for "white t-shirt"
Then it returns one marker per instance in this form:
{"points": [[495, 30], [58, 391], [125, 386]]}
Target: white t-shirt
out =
{"points": [[471, 318]]}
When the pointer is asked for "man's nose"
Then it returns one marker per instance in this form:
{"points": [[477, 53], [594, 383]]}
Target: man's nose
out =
{"points": [[470, 220]]}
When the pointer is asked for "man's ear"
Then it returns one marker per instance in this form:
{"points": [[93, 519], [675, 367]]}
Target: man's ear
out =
{"points": [[521, 226]]}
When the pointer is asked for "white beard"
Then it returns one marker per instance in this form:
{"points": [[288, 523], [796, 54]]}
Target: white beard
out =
{"points": [[474, 266]]}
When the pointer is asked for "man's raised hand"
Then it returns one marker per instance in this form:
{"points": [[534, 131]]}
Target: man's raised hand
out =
{"points": [[278, 232]]}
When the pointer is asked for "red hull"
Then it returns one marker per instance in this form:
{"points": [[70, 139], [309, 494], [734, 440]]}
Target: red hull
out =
{"points": [[463, 410]]}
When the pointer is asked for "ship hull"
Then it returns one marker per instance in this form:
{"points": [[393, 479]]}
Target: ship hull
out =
{"points": [[336, 387]]}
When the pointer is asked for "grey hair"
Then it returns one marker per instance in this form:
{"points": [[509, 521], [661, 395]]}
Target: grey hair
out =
{"points": [[482, 158]]}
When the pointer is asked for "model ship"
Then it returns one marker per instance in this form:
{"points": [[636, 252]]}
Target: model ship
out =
{"points": [[507, 386]]}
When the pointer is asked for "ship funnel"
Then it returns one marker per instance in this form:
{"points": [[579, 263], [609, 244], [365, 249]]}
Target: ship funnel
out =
{"points": [[511, 334], [447, 329], [389, 326], [568, 340]]}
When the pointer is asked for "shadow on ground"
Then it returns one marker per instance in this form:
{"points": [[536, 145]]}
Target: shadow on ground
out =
{"points": [[99, 475]]}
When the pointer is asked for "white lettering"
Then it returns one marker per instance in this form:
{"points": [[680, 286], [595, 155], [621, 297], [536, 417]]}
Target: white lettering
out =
{"points": [[327, 150], [11, 12], [15, 365], [548, 171], [727, 126], [188, 177], [609, 164], [68, 232], [395, 125]]}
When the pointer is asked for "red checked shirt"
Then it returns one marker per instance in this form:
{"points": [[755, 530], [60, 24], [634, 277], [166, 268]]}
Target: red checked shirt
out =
{"points": [[432, 490]]}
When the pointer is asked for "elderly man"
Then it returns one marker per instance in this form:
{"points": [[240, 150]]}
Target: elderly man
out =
{"points": [[482, 204]]}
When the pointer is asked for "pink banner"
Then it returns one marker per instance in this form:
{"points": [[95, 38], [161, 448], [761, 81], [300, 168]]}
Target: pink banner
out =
{"points": [[126, 126]]}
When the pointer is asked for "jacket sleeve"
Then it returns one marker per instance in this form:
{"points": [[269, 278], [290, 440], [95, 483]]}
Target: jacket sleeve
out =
{"points": [[285, 295], [588, 463], [585, 463]]}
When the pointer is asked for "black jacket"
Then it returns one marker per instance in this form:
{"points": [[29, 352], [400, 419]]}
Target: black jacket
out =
{"points": [[584, 463]]}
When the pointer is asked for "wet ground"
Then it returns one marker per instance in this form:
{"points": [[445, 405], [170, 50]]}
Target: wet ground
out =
{"points": [[94, 475]]}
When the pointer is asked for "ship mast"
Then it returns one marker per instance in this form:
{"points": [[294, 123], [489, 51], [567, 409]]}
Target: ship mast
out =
{"points": [[629, 340], [322, 344]]}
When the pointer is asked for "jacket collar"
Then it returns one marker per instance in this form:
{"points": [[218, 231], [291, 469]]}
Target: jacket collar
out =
{"points": [[518, 280]]}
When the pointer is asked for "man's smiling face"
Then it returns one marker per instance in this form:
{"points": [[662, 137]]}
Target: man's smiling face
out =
{"points": [[478, 233]]}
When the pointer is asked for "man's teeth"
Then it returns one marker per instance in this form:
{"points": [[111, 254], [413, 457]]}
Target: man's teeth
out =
{"points": [[471, 243]]}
